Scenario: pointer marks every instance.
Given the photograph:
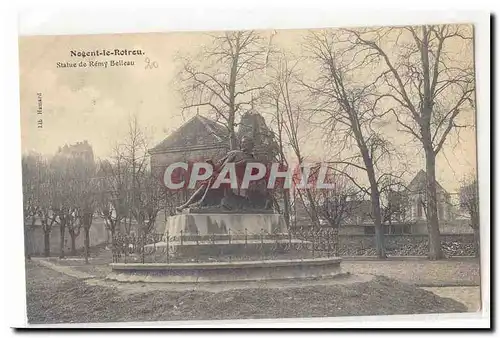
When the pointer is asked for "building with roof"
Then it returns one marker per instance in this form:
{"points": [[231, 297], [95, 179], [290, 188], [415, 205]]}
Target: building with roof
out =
{"points": [[417, 195], [201, 138], [198, 139], [411, 219], [79, 150]]}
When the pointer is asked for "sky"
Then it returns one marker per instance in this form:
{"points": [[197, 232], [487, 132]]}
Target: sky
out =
{"points": [[95, 103]]}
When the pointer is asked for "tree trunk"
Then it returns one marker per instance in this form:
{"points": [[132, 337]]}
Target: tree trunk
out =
{"points": [[87, 244], [114, 251], [129, 227], [73, 243], [233, 143], [46, 243], [314, 211], [27, 250], [374, 195], [62, 230], [377, 214], [379, 231], [435, 251], [143, 235], [286, 208]]}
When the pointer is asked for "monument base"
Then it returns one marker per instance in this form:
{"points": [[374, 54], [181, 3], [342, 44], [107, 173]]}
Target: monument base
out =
{"points": [[216, 235], [234, 224], [226, 271], [235, 248]]}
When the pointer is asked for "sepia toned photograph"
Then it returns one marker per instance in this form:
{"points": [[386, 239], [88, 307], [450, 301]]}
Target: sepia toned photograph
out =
{"points": [[250, 174]]}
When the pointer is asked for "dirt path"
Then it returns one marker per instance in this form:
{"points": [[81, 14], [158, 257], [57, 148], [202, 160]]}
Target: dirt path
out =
{"points": [[421, 272], [65, 269], [470, 296]]}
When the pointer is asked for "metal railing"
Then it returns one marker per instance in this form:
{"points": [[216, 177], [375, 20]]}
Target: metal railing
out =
{"points": [[298, 243]]}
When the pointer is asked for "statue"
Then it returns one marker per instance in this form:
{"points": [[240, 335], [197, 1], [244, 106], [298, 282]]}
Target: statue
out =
{"points": [[225, 199]]}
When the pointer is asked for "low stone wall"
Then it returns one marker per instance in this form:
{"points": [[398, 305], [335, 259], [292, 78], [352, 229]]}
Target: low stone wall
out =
{"points": [[223, 272], [406, 245]]}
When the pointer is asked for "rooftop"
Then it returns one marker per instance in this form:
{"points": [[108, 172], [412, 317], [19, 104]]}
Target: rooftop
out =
{"points": [[198, 131], [419, 182]]}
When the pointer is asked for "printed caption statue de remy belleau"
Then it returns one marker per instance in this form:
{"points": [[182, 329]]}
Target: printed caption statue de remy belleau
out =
{"points": [[101, 53]]}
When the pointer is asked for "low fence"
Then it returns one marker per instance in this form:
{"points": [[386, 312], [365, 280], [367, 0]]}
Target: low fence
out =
{"points": [[262, 245], [297, 244]]}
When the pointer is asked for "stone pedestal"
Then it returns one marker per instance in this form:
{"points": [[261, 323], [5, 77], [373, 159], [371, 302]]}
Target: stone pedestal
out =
{"points": [[214, 235], [225, 224]]}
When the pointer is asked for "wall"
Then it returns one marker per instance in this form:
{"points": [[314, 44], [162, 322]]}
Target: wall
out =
{"points": [[160, 160], [445, 227], [98, 235], [459, 226], [352, 230], [406, 245]]}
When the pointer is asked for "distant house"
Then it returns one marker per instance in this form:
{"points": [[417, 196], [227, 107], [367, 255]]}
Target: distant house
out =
{"points": [[79, 150], [198, 139], [356, 216], [407, 217], [201, 138], [360, 216], [417, 195]]}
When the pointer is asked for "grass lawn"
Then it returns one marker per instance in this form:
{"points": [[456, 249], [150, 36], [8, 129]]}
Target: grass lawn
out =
{"points": [[56, 298]]}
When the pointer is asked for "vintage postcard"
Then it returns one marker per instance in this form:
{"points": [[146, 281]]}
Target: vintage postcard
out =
{"points": [[254, 174]]}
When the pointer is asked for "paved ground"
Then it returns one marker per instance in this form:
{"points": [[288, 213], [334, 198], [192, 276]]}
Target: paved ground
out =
{"points": [[470, 296], [421, 272]]}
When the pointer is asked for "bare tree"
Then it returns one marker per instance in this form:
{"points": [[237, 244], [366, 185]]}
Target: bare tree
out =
{"points": [[72, 219], [335, 204], [345, 107], [427, 82], [112, 200], [469, 202], [338, 204], [38, 182], [286, 98], [395, 201], [86, 203], [134, 153], [148, 199], [224, 77], [64, 201], [31, 170], [74, 227], [129, 191]]}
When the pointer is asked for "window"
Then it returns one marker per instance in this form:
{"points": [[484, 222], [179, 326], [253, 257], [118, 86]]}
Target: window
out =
{"points": [[369, 230], [401, 229], [441, 211], [419, 207]]}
